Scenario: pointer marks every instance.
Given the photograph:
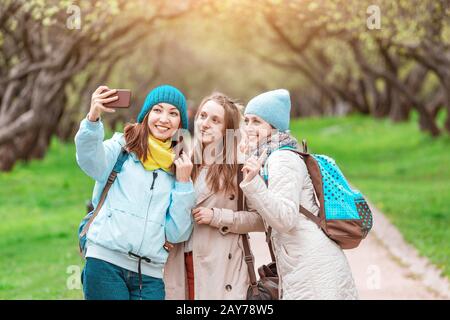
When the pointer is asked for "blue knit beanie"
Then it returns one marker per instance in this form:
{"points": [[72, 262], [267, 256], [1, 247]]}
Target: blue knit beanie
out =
{"points": [[273, 107], [165, 94]]}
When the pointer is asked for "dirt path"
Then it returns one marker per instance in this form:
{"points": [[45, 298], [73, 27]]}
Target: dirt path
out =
{"points": [[383, 266]]}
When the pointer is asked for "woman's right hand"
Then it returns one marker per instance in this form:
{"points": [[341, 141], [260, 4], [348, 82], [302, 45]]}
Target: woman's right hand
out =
{"points": [[252, 166], [99, 97]]}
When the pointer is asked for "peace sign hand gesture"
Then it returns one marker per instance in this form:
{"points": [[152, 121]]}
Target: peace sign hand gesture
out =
{"points": [[252, 166]]}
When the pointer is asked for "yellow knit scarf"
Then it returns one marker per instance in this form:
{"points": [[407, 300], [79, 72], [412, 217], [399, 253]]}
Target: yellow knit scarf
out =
{"points": [[160, 154]]}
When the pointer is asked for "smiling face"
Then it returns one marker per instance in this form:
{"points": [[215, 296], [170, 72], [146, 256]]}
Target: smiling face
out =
{"points": [[256, 129], [163, 120], [210, 122]]}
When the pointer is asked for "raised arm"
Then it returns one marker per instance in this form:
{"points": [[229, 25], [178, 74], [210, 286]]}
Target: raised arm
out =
{"points": [[278, 203], [179, 223], [95, 157]]}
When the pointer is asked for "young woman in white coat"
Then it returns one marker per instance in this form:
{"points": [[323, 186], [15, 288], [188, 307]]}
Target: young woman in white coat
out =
{"points": [[276, 182], [211, 265]]}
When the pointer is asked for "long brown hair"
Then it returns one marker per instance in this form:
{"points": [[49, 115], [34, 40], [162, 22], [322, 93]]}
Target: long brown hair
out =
{"points": [[221, 177], [136, 137]]}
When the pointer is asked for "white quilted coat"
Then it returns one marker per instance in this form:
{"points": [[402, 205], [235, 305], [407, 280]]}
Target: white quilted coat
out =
{"points": [[310, 265]]}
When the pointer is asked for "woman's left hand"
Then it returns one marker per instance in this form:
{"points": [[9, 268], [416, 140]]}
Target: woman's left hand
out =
{"points": [[202, 215], [183, 167]]}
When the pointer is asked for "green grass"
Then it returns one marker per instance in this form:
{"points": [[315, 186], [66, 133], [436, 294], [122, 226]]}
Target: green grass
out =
{"points": [[403, 172], [41, 205]]}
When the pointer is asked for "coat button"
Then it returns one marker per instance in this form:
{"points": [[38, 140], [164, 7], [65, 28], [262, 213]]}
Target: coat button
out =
{"points": [[228, 287], [229, 256], [224, 229], [232, 197]]}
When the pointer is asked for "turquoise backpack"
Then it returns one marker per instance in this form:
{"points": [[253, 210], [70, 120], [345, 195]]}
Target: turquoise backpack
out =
{"points": [[344, 214]]}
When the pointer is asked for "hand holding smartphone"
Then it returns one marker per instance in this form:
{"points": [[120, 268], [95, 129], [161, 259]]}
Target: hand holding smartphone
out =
{"points": [[122, 102], [105, 99]]}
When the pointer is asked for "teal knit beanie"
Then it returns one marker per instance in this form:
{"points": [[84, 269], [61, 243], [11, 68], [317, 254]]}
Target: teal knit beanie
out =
{"points": [[273, 107], [165, 94]]}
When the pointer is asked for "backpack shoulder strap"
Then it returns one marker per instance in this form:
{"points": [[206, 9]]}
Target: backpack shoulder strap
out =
{"points": [[317, 220], [123, 155], [301, 154], [248, 255]]}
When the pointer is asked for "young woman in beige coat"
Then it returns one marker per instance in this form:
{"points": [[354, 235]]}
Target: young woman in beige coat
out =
{"points": [[211, 265], [310, 265]]}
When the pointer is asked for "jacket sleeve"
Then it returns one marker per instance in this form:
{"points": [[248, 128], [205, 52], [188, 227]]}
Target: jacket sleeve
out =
{"points": [[241, 222], [95, 157], [278, 203], [179, 221]]}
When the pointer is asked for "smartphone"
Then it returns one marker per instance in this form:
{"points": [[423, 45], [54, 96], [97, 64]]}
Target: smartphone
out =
{"points": [[122, 102]]}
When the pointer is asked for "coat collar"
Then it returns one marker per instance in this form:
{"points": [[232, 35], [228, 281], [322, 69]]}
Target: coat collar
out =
{"points": [[204, 192], [203, 197]]}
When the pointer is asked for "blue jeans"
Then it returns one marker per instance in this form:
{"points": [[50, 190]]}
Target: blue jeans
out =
{"points": [[105, 281]]}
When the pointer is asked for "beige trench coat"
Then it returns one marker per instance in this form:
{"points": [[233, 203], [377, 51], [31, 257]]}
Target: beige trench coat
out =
{"points": [[220, 271], [310, 265]]}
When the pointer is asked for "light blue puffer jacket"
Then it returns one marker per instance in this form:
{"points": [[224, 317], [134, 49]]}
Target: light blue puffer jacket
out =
{"points": [[142, 209]]}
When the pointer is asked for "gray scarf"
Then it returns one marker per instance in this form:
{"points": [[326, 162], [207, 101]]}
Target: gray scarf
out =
{"points": [[275, 142]]}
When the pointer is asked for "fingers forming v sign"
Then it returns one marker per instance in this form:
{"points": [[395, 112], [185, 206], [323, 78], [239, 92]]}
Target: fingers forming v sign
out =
{"points": [[253, 165]]}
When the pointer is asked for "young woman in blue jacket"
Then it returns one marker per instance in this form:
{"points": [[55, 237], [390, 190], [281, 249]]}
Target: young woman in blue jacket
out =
{"points": [[149, 203]]}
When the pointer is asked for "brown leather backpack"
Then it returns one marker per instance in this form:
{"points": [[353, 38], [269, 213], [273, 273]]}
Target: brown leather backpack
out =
{"points": [[266, 288]]}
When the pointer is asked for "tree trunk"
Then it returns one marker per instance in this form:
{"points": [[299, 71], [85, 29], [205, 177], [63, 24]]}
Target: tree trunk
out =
{"points": [[446, 84], [399, 110], [8, 156], [32, 94]]}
